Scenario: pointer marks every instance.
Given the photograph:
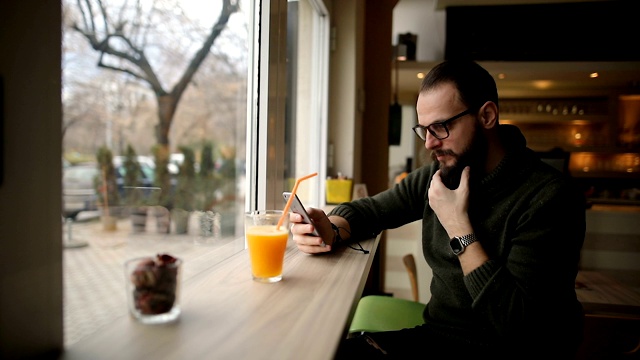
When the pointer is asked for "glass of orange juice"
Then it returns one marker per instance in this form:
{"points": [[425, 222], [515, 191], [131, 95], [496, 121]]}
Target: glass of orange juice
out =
{"points": [[267, 243]]}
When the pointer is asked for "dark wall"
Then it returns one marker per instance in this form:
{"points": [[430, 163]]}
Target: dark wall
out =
{"points": [[31, 288], [589, 31]]}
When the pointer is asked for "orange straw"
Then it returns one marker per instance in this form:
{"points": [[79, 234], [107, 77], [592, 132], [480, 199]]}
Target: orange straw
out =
{"points": [[293, 194]]}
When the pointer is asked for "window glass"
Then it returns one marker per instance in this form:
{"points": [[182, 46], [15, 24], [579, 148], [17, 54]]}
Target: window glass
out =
{"points": [[179, 146], [155, 112], [307, 59]]}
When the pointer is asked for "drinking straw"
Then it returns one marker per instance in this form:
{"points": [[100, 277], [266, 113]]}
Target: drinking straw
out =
{"points": [[293, 194]]}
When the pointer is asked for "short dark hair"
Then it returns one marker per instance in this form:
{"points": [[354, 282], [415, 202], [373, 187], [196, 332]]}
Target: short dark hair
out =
{"points": [[474, 83]]}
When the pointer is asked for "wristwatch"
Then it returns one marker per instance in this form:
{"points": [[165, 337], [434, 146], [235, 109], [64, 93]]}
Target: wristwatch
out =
{"points": [[459, 243]]}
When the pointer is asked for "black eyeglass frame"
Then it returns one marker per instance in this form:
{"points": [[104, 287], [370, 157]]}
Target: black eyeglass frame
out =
{"points": [[441, 123]]}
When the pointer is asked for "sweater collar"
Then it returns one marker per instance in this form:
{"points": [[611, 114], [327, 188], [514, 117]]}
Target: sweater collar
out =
{"points": [[516, 149]]}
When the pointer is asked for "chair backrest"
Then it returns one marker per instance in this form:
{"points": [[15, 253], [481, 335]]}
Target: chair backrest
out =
{"points": [[410, 264]]}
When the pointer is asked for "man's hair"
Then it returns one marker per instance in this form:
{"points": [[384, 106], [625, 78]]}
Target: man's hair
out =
{"points": [[475, 85]]}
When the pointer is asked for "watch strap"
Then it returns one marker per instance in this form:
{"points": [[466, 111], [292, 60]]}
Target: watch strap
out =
{"points": [[467, 240]]}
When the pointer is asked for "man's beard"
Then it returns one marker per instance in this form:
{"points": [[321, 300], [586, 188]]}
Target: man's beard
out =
{"points": [[473, 156]]}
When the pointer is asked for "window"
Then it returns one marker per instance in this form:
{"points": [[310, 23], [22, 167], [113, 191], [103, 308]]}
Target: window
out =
{"points": [[284, 151], [137, 88], [235, 140], [307, 68]]}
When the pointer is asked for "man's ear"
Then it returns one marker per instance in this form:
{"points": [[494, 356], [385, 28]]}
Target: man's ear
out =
{"points": [[488, 115]]}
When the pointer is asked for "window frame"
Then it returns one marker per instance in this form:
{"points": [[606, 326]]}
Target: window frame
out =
{"points": [[266, 150]]}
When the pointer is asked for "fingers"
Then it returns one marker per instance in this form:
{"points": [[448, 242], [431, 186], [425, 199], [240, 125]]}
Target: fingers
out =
{"points": [[298, 224], [435, 186], [436, 177], [464, 178], [313, 249], [295, 218], [308, 243]]}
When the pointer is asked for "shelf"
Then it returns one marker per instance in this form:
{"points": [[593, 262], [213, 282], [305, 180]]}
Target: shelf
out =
{"points": [[606, 175], [600, 150], [605, 165], [598, 201], [558, 120]]}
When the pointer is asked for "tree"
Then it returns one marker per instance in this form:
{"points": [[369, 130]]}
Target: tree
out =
{"points": [[122, 42], [162, 177], [106, 185]]}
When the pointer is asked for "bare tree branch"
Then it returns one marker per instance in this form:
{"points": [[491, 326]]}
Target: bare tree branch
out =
{"points": [[228, 8], [117, 41]]}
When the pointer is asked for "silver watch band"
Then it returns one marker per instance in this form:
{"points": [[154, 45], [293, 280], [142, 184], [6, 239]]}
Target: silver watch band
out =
{"points": [[466, 240]]}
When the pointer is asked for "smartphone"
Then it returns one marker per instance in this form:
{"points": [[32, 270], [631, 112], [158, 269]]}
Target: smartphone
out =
{"points": [[298, 208]]}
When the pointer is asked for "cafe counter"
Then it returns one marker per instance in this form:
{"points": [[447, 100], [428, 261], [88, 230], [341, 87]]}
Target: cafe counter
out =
{"points": [[227, 315], [612, 240]]}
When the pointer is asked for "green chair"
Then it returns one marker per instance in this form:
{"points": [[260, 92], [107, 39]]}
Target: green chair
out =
{"points": [[382, 313]]}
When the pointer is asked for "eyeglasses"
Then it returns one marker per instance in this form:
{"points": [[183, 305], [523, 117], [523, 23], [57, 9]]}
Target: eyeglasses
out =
{"points": [[439, 129]]}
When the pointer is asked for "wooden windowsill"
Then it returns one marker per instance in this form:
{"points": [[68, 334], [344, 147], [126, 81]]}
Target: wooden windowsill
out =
{"points": [[227, 315]]}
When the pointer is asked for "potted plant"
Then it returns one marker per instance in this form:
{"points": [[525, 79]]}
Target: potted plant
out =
{"points": [[206, 179], [134, 195], [207, 182], [184, 197], [226, 191], [107, 188]]}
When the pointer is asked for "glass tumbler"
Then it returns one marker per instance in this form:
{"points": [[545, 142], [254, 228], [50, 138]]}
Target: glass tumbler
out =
{"points": [[153, 288]]}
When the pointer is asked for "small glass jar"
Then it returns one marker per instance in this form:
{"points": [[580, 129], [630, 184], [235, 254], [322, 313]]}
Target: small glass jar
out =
{"points": [[153, 288]]}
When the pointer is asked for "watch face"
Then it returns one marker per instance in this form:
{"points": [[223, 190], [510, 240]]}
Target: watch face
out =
{"points": [[456, 246]]}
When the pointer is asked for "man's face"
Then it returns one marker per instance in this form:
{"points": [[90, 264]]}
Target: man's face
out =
{"points": [[472, 155], [465, 145]]}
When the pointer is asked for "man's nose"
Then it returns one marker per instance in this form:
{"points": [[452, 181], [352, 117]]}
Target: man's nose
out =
{"points": [[431, 142]]}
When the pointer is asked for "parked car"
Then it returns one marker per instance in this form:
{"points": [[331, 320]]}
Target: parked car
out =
{"points": [[145, 161], [79, 193], [78, 190], [78, 184]]}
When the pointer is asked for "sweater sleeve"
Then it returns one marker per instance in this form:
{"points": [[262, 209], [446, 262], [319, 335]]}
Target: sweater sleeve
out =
{"points": [[394, 207]]}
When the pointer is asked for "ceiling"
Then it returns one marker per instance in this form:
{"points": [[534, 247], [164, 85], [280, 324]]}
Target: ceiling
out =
{"points": [[533, 79], [538, 79], [442, 4]]}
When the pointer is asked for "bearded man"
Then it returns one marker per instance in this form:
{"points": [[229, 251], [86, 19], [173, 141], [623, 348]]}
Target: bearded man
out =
{"points": [[501, 230]]}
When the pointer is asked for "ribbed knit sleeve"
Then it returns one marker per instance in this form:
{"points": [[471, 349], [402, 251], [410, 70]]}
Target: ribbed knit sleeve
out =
{"points": [[403, 203], [478, 279]]}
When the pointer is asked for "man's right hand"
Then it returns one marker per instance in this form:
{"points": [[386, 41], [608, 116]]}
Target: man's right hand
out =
{"points": [[308, 243]]}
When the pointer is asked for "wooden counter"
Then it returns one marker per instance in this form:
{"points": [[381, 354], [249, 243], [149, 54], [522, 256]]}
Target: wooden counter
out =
{"points": [[612, 239], [227, 315], [612, 317], [602, 294]]}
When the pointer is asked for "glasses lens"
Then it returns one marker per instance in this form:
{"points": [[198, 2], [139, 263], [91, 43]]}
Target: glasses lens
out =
{"points": [[439, 130], [421, 132]]}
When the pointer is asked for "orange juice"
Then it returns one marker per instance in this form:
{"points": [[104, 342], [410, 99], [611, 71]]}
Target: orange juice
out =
{"points": [[266, 250]]}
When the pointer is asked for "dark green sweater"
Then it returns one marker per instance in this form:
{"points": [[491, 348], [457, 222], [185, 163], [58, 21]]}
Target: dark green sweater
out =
{"points": [[530, 220]]}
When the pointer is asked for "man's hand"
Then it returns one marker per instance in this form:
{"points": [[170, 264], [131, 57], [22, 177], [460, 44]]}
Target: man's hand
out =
{"points": [[451, 205], [308, 243], [451, 208]]}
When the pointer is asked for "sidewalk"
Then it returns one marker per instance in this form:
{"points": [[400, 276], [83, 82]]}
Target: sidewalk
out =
{"points": [[94, 279]]}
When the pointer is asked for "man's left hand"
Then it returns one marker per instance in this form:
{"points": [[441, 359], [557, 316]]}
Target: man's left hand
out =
{"points": [[451, 205]]}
